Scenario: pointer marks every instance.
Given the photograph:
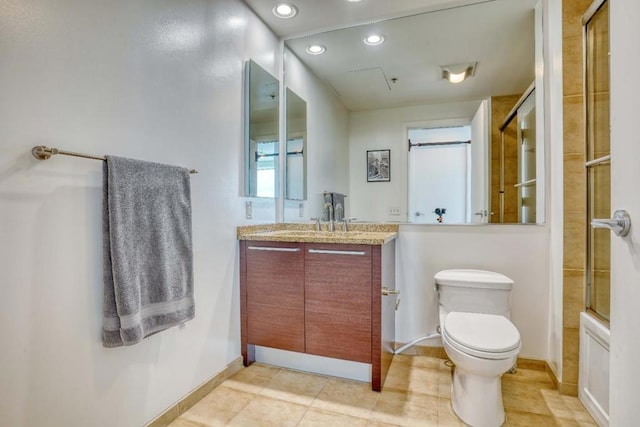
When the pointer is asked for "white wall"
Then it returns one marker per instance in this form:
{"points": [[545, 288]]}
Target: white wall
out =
{"points": [[152, 79], [387, 129], [327, 140], [518, 251]]}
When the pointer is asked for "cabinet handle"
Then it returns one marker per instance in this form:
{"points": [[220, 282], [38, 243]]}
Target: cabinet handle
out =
{"points": [[326, 251], [274, 249]]}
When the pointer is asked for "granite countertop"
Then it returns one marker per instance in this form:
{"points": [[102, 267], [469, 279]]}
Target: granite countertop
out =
{"points": [[358, 234]]}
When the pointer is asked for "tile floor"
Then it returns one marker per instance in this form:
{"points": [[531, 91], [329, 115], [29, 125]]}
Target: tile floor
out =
{"points": [[416, 393]]}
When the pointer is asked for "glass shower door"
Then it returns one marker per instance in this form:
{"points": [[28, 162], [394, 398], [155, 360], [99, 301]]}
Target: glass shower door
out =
{"points": [[598, 161]]}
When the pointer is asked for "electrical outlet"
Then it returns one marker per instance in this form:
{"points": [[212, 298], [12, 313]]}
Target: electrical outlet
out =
{"points": [[393, 210], [301, 210], [248, 209]]}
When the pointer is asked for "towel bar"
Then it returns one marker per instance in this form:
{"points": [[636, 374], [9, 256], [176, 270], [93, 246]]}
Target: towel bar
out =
{"points": [[42, 152]]}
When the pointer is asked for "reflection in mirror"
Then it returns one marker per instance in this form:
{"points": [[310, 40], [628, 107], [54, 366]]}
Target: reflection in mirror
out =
{"points": [[296, 164], [400, 84], [439, 156], [262, 134], [518, 183]]}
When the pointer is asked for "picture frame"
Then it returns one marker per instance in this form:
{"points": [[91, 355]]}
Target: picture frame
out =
{"points": [[378, 165]]}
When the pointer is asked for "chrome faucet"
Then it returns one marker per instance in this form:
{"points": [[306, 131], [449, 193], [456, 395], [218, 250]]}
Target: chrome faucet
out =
{"points": [[329, 207]]}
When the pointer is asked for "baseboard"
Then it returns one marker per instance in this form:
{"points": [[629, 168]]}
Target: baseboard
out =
{"points": [[554, 377], [195, 395], [438, 352]]}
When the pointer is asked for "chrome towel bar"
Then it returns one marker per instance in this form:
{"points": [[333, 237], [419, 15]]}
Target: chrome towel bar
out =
{"points": [[42, 152]]}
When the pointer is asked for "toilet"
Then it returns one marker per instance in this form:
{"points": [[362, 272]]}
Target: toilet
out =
{"points": [[479, 338]]}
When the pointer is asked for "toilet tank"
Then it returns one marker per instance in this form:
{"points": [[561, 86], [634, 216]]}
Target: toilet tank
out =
{"points": [[473, 291]]}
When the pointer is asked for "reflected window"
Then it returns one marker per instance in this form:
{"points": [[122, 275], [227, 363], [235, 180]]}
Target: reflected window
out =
{"points": [[266, 166], [439, 174]]}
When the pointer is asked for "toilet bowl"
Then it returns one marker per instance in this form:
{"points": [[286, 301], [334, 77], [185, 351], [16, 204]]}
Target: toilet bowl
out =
{"points": [[480, 340], [482, 348]]}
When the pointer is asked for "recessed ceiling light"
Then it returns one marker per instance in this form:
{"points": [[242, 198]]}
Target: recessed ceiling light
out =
{"points": [[316, 49], [459, 72], [285, 10], [374, 39]]}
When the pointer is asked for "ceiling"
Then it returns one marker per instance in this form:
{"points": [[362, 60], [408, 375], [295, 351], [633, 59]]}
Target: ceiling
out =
{"points": [[322, 15], [405, 70]]}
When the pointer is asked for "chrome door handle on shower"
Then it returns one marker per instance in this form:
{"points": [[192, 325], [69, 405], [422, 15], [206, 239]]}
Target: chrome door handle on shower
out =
{"points": [[619, 224]]}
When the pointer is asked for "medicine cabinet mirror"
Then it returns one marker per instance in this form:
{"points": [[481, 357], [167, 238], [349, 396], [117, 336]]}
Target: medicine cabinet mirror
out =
{"points": [[262, 95]]}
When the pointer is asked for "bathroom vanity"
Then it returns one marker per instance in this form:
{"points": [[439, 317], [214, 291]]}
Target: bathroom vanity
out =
{"points": [[324, 293]]}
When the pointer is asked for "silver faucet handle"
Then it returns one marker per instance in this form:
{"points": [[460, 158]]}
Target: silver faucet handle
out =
{"points": [[345, 222], [317, 220]]}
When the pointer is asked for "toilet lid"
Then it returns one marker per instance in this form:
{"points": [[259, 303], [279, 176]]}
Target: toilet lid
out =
{"points": [[488, 333]]}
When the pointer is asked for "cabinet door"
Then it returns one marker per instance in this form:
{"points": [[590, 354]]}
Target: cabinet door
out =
{"points": [[338, 301], [275, 295]]}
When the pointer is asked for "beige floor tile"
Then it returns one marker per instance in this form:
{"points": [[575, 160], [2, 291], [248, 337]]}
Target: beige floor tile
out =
{"points": [[558, 405], [294, 386], [316, 418], [347, 397], [525, 396], [417, 361], [265, 412], [181, 422], [405, 377], [446, 416], [444, 382], [218, 407], [374, 423], [252, 379], [406, 409], [416, 393], [580, 413], [528, 419]]}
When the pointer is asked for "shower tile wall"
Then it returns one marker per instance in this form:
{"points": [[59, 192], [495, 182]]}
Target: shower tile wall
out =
{"points": [[500, 107], [574, 190]]}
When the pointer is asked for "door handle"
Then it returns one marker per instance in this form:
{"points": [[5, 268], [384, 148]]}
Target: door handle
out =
{"points": [[418, 213], [619, 224], [272, 248]]}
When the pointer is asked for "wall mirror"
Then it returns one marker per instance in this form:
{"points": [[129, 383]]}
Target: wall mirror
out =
{"points": [[261, 132], [399, 86], [296, 163]]}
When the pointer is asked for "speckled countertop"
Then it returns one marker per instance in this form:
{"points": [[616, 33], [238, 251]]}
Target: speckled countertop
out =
{"points": [[358, 234]]}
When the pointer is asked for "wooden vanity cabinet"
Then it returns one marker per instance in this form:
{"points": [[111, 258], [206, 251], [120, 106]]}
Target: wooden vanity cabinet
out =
{"points": [[321, 299], [275, 295], [338, 291]]}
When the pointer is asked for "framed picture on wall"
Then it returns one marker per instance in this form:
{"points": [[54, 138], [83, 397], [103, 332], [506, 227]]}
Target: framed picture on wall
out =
{"points": [[378, 165]]}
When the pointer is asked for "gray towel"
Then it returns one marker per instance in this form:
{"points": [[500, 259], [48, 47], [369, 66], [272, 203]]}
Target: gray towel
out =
{"points": [[147, 249]]}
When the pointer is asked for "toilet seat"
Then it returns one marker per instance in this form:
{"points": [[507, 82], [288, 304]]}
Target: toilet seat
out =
{"points": [[487, 336]]}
